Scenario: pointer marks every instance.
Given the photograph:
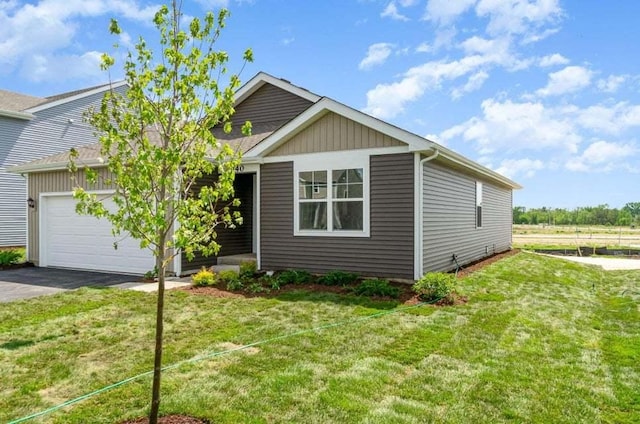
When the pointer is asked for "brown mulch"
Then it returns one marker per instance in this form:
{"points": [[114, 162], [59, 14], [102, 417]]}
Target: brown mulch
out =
{"points": [[169, 419], [407, 296], [16, 266]]}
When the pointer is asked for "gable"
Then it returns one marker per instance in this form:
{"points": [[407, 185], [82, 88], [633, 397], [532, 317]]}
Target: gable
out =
{"points": [[269, 104], [334, 132]]}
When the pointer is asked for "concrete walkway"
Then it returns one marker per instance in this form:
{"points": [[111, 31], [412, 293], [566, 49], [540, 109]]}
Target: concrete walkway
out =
{"points": [[606, 263]]}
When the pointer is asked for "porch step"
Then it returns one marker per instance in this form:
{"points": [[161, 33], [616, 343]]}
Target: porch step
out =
{"points": [[219, 268], [236, 259]]}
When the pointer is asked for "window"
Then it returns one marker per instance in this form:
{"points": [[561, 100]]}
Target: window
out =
{"points": [[331, 201], [478, 204]]}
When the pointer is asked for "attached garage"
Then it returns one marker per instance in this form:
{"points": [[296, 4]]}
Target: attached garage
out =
{"points": [[70, 240]]}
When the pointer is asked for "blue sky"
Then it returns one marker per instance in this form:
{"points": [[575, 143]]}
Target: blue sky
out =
{"points": [[546, 92]]}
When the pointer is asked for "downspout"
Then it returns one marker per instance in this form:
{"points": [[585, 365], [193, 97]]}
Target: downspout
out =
{"points": [[421, 209]]}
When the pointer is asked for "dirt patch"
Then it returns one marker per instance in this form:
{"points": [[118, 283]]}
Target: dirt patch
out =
{"points": [[169, 419], [406, 296]]}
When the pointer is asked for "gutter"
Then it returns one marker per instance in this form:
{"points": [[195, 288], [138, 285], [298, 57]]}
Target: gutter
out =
{"points": [[57, 166], [17, 115]]}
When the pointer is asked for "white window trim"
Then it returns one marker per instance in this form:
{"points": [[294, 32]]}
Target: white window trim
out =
{"points": [[479, 195], [328, 162]]}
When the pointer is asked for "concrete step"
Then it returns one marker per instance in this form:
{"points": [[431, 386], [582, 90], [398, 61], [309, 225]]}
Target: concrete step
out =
{"points": [[219, 268], [236, 259]]}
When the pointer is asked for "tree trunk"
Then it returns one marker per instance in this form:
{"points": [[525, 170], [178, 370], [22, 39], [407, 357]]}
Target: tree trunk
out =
{"points": [[157, 363]]}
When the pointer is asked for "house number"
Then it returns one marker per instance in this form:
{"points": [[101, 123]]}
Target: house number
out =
{"points": [[240, 168]]}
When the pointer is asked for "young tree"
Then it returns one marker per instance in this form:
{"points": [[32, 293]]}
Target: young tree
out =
{"points": [[156, 141]]}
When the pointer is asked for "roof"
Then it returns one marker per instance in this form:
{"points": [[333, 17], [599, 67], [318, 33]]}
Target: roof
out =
{"points": [[266, 137], [22, 106]]}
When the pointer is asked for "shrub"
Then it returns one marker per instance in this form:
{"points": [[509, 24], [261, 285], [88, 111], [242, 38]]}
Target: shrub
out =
{"points": [[294, 276], [338, 278], [434, 286], [376, 287], [10, 257], [231, 278], [256, 287], [270, 281], [204, 277], [248, 269]]}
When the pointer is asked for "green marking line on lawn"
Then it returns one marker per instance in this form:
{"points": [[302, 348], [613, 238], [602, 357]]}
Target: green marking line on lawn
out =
{"points": [[213, 355]]}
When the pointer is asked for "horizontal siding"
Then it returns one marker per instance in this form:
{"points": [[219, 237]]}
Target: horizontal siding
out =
{"points": [[232, 241], [333, 132], [388, 252], [449, 216], [269, 104], [50, 132]]}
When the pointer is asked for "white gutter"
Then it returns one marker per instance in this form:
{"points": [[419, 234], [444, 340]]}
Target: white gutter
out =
{"points": [[419, 242], [17, 115], [57, 166]]}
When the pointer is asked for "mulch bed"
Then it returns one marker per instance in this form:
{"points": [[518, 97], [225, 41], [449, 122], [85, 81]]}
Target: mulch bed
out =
{"points": [[407, 296], [169, 419], [16, 266]]}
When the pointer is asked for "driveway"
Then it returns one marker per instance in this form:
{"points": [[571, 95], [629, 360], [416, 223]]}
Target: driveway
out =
{"points": [[23, 283]]}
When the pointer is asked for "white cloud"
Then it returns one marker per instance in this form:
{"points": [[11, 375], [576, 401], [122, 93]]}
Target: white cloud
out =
{"points": [[611, 83], [445, 11], [408, 3], [377, 54], [53, 68], [474, 82], [424, 48], [602, 156], [552, 60], [567, 80], [391, 11], [518, 16], [514, 167], [508, 126], [34, 33]]}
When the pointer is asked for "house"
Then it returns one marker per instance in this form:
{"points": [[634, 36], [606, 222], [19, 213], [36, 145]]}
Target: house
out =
{"points": [[30, 128], [323, 186]]}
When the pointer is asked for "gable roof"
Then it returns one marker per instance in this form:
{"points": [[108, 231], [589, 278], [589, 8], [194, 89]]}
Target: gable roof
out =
{"points": [[22, 106], [262, 78]]}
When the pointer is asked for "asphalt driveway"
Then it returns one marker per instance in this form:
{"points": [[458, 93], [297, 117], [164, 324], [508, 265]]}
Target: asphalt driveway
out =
{"points": [[23, 283]]}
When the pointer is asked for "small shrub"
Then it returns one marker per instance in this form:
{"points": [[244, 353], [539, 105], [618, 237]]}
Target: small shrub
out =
{"points": [[376, 287], [294, 276], [256, 287], [231, 278], [248, 269], [434, 286], [205, 277], [10, 257], [270, 281], [338, 278]]}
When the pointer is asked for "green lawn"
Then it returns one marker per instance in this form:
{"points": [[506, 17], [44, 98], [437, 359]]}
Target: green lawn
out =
{"points": [[535, 343]]}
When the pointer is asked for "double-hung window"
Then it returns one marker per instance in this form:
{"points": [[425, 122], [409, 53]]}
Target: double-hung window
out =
{"points": [[478, 204], [331, 200]]}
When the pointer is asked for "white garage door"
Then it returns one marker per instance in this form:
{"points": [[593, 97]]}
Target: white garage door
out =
{"points": [[83, 242]]}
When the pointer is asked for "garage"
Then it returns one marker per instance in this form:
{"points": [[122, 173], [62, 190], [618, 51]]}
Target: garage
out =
{"points": [[69, 240]]}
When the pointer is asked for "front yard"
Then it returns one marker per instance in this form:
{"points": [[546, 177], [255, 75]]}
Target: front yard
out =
{"points": [[540, 340]]}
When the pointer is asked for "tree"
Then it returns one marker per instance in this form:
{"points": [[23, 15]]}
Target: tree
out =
{"points": [[156, 142]]}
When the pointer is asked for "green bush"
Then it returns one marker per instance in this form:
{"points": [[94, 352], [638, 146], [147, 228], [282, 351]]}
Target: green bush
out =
{"points": [[270, 281], [204, 277], [376, 287], [10, 257], [257, 287], [231, 278], [294, 276], [434, 286], [338, 278], [248, 269]]}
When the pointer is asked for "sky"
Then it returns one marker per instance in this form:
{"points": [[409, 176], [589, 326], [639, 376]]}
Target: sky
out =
{"points": [[545, 92]]}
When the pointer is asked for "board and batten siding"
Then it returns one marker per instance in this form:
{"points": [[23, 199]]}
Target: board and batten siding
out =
{"points": [[269, 104], [449, 215], [333, 132], [52, 131], [388, 252]]}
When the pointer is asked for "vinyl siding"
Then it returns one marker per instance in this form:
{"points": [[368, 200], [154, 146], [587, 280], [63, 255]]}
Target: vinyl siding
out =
{"points": [[334, 132], [22, 141], [232, 241], [449, 215], [388, 252], [269, 104]]}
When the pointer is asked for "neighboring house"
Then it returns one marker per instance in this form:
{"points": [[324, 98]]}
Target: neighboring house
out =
{"points": [[30, 128], [323, 187]]}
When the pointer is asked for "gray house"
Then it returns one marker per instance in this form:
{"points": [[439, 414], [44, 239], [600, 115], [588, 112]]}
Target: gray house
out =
{"points": [[30, 128], [323, 186]]}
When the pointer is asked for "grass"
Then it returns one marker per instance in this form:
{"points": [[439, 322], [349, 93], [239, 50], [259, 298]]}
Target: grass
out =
{"points": [[541, 340]]}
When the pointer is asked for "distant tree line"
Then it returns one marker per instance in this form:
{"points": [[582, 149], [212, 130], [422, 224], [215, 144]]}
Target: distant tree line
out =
{"points": [[629, 215]]}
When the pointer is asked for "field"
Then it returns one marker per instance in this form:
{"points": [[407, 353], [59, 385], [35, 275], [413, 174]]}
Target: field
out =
{"points": [[541, 340], [530, 236]]}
